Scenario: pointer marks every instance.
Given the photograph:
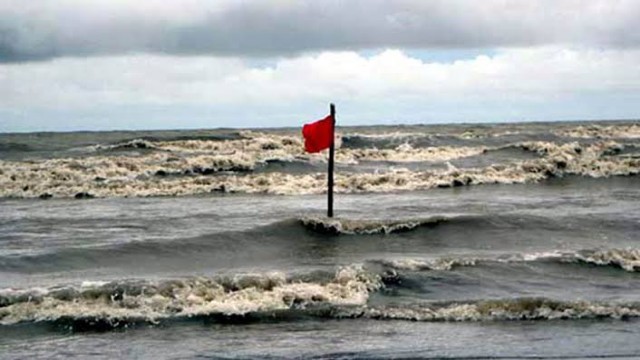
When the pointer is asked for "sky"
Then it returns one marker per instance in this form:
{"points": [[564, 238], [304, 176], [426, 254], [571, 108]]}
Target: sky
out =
{"points": [[154, 64]]}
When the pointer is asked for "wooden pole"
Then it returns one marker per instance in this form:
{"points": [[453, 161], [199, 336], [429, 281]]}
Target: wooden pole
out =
{"points": [[331, 152]]}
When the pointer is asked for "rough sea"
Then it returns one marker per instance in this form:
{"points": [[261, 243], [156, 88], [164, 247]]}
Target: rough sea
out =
{"points": [[450, 241]]}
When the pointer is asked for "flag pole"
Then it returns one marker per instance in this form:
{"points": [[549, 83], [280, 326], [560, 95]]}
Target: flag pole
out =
{"points": [[331, 152]]}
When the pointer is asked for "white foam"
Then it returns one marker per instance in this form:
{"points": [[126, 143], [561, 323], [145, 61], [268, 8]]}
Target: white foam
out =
{"points": [[240, 295], [363, 227], [505, 310], [441, 264], [627, 259], [631, 131], [233, 160]]}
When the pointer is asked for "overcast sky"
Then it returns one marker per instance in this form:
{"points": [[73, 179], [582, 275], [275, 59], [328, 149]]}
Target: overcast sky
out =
{"points": [[147, 64]]}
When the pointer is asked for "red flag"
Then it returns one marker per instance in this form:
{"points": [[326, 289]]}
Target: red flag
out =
{"points": [[318, 135]]}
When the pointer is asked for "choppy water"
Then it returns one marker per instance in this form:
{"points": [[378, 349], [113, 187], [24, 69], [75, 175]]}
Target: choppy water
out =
{"points": [[502, 241]]}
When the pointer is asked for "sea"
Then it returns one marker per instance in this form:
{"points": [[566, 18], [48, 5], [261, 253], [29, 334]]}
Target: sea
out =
{"points": [[465, 241]]}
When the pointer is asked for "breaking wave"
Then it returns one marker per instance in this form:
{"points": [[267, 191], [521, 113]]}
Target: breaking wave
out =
{"points": [[130, 144], [625, 259], [266, 296], [631, 131], [333, 226], [441, 264], [502, 310], [185, 167], [121, 302]]}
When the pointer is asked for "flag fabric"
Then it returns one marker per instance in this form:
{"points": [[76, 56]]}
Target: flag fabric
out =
{"points": [[318, 135]]}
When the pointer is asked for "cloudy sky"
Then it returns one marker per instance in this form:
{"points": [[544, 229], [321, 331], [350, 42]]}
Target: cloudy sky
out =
{"points": [[150, 64]]}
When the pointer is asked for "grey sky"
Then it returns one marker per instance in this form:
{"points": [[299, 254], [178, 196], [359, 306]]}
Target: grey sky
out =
{"points": [[120, 64], [42, 29]]}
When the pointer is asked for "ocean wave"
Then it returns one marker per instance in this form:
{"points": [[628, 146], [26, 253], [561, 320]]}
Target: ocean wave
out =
{"points": [[283, 232], [382, 140], [453, 263], [156, 141], [269, 298], [336, 226], [629, 131], [344, 293], [407, 153], [501, 310], [133, 301], [625, 259], [262, 146], [175, 173], [129, 144], [411, 264]]}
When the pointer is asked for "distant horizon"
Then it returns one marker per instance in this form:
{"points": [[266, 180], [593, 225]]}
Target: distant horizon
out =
{"points": [[275, 128]]}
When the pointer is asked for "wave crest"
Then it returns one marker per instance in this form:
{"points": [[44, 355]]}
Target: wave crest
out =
{"points": [[503, 310], [630, 131], [183, 168], [132, 301], [130, 144], [337, 226], [627, 259], [443, 264], [344, 293]]}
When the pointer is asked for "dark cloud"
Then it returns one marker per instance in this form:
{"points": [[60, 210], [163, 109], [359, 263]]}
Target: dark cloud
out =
{"points": [[44, 29]]}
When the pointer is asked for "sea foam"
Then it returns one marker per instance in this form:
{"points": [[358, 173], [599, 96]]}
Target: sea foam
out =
{"points": [[186, 167]]}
